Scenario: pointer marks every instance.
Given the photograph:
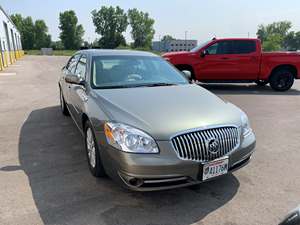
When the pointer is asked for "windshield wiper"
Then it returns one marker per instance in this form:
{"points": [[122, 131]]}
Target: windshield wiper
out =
{"points": [[158, 84], [136, 85]]}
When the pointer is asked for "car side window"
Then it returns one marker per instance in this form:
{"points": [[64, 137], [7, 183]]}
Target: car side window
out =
{"points": [[71, 66], [221, 48], [244, 47], [212, 50], [81, 67]]}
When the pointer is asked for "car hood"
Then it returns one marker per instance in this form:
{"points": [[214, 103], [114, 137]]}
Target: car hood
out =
{"points": [[163, 112]]}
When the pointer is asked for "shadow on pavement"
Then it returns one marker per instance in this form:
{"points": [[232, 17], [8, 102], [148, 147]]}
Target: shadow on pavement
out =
{"points": [[246, 89], [52, 156]]}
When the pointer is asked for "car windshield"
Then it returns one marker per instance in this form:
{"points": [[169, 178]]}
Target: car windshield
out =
{"points": [[133, 71], [197, 48]]}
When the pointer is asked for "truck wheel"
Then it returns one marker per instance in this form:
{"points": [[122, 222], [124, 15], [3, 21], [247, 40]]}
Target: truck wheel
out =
{"points": [[261, 83], [282, 80]]}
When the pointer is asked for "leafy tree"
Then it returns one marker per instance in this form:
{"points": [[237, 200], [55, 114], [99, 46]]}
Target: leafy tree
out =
{"points": [[142, 28], [57, 45], [42, 38], [110, 23], [273, 35], [34, 35], [71, 33], [167, 38], [292, 41], [27, 30]]}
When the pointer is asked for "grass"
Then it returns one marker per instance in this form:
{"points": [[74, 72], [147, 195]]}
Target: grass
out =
{"points": [[55, 52]]}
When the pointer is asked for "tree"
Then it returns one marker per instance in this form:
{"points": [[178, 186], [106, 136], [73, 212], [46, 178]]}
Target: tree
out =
{"points": [[167, 38], [42, 38], [110, 23], [292, 41], [142, 28], [34, 35], [273, 35], [27, 30], [71, 33]]}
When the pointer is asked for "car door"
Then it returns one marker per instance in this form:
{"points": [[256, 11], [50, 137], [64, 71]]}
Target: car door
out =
{"points": [[219, 62], [247, 54], [78, 94], [68, 69]]}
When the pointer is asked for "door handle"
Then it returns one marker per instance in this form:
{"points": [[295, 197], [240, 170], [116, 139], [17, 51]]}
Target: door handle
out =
{"points": [[224, 58]]}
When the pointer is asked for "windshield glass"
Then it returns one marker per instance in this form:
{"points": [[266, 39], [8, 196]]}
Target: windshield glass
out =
{"points": [[197, 48], [133, 71]]}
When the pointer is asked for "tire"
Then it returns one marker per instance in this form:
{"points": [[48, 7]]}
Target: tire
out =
{"points": [[261, 83], [282, 80], [63, 105], [92, 152]]}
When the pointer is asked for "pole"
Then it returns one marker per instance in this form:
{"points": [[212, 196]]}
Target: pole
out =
{"points": [[185, 34]]}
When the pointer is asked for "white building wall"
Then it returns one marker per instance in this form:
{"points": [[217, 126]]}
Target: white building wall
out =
{"points": [[10, 41]]}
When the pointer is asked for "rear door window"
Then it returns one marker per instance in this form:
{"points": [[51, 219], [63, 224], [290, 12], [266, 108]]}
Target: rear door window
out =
{"points": [[244, 47]]}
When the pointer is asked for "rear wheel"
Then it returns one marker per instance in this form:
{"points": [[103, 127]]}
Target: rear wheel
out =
{"points": [[261, 83], [63, 105], [92, 150], [282, 80]]}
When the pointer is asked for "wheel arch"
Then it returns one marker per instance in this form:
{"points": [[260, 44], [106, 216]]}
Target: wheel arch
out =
{"points": [[291, 68]]}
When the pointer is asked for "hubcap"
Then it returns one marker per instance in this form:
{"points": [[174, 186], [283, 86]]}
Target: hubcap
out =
{"points": [[283, 81], [91, 150]]}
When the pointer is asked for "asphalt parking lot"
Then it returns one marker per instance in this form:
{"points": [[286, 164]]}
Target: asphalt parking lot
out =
{"points": [[44, 178]]}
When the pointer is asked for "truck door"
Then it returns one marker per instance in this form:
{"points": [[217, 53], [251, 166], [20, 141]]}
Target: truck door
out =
{"points": [[230, 60]]}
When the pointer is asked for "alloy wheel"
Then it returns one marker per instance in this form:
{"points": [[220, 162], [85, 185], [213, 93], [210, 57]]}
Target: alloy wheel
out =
{"points": [[91, 149]]}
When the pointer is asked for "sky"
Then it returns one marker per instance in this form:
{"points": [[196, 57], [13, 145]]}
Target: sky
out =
{"points": [[201, 19]]}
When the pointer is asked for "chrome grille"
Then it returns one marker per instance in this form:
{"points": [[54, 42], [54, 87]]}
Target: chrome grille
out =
{"points": [[194, 145]]}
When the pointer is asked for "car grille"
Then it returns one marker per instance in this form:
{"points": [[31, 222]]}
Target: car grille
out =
{"points": [[195, 145]]}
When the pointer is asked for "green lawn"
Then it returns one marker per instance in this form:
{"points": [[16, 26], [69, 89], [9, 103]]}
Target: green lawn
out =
{"points": [[55, 52]]}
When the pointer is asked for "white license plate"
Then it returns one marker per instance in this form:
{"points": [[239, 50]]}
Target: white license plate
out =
{"points": [[215, 168]]}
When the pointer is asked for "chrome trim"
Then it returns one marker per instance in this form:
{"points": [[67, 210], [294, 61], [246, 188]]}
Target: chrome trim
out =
{"points": [[190, 145]]}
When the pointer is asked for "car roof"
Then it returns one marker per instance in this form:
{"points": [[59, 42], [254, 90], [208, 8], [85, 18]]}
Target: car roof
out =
{"points": [[114, 52]]}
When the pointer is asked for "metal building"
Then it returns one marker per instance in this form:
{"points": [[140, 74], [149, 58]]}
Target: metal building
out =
{"points": [[10, 41], [174, 45]]}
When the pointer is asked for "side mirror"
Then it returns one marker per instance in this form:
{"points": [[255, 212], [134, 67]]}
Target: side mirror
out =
{"points": [[73, 79], [187, 74], [203, 53]]}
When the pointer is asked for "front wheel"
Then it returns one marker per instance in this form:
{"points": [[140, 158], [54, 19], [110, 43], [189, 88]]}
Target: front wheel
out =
{"points": [[282, 80], [63, 105], [92, 150]]}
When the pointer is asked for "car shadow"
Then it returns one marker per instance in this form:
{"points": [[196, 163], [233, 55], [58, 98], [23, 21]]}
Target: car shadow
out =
{"points": [[52, 156], [246, 89]]}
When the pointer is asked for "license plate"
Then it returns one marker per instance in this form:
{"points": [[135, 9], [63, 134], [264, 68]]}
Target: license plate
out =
{"points": [[215, 168]]}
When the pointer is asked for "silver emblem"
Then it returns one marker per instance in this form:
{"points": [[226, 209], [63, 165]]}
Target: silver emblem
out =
{"points": [[213, 145]]}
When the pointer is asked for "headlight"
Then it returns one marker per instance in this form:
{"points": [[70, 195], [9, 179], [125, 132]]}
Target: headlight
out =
{"points": [[129, 139], [246, 129]]}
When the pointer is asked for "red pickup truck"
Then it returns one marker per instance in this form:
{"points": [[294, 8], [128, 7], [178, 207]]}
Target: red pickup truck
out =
{"points": [[238, 60]]}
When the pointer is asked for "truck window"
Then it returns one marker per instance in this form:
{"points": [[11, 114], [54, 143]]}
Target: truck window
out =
{"points": [[221, 48], [244, 47]]}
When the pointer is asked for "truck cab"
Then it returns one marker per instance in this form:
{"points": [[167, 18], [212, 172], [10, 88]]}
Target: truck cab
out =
{"points": [[238, 60]]}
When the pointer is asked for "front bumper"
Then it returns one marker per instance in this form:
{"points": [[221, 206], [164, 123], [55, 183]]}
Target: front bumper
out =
{"points": [[149, 172]]}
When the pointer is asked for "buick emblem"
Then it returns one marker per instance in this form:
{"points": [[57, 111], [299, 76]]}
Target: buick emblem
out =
{"points": [[213, 145]]}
